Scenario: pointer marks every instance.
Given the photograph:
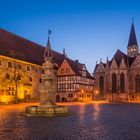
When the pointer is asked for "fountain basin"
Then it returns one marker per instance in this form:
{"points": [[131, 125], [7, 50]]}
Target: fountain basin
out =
{"points": [[47, 111]]}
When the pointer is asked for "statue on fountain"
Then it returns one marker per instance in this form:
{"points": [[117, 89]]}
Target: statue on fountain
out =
{"points": [[48, 87], [47, 106]]}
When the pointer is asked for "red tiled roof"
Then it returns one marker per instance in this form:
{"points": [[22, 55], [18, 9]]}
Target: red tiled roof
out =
{"points": [[29, 51]]}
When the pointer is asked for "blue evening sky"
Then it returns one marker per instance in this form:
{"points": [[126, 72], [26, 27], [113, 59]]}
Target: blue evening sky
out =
{"points": [[87, 29]]}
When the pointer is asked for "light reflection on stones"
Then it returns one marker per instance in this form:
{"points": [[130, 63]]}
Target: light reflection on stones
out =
{"points": [[89, 121]]}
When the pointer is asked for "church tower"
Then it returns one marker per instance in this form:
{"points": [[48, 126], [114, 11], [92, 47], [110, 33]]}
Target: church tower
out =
{"points": [[132, 48]]}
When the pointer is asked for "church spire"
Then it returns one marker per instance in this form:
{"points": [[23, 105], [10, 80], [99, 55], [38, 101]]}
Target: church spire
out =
{"points": [[132, 48], [132, 38]]}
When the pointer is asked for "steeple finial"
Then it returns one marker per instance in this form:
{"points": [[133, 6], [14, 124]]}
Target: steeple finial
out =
{"points": [[64, 52], [48, 43], [100, 60]]}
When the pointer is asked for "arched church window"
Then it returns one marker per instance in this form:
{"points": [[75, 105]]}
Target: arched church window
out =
{"points": [[101, 84], [114, 83], [137, 83], [122, 83]]}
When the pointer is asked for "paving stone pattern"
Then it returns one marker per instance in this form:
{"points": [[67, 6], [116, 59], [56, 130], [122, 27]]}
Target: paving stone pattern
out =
{"points": [[88, 122]]}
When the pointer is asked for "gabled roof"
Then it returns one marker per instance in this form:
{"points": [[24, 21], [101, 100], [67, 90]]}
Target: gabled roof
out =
{"points": [[77, 67], [118, 57], [25, 50], [132, 38], [96, 66], [29, 51]]}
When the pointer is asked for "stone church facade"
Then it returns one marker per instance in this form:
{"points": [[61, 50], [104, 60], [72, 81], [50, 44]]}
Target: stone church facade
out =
{"points": [[119, 78]]}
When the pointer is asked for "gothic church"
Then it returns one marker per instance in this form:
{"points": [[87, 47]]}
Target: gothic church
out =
{"points": [[119, 78]]}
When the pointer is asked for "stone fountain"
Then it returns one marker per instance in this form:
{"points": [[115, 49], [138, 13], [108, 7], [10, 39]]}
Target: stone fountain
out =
{"points": [[47, 106]]}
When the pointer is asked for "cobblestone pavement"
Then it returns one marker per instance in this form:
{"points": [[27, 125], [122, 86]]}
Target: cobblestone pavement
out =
{"points": [[88, 122]]}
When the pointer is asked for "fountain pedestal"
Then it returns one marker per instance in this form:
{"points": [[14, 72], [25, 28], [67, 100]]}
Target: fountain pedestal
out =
{"points": [[47, 106]]}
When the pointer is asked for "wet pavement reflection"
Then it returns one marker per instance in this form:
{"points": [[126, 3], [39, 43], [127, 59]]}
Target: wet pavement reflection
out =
{"points": [[104, 121]]}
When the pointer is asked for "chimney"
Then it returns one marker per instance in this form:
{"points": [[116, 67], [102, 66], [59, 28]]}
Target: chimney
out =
{"points": [[77, 61]]}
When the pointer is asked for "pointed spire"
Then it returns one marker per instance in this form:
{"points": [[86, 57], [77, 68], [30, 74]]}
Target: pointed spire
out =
{"points": [[64, 52], [48, 51], [48, 43], [132, 38], [107, 59]]}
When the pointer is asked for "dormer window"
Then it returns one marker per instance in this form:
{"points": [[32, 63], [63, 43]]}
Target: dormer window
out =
{"points": [[67, 70], [62, 70], [84, 73]]}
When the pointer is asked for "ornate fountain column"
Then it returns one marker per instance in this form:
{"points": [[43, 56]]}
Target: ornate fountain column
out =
{"points": [[47, 106], [48, 87]]}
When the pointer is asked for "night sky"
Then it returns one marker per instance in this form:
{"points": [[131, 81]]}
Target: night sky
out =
{"points": [[87, 29]]}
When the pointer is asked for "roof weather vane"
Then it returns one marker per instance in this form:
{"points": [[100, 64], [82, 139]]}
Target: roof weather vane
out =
{"points": [[49, 32]]}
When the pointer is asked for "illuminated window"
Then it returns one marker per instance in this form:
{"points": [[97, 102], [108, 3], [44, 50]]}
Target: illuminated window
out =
{"points": [[67, 70], [9, 64], [62, 70], [7, 76], [28, 68]]}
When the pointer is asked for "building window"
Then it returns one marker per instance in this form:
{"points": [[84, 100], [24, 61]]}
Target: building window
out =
{"points": [[62, 70], [0, 62], [7, 76], [84, 73], [19, 66], [19, 77], [28, 68], [36, 70], [122, 83], [40, 80], [114, 83], [43, 72], [67, 70], [101, 84], [9, 64], [31, 79], [137, 83]]}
